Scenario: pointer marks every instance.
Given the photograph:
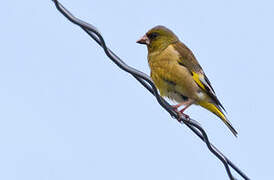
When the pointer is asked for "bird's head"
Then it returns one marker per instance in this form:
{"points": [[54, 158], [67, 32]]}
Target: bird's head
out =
{"points": [[158, 38]]}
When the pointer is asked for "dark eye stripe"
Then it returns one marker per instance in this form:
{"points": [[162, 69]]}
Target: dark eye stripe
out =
{"points": [[153, 35]]}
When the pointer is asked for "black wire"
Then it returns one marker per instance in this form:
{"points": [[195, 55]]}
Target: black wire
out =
{"points": [[148, 84]]}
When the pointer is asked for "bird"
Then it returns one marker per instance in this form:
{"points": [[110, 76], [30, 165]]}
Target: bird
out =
{"points": [[178, 75]]}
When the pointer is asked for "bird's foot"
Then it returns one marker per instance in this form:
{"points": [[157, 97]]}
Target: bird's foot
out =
{"points": [[181, 114], [186, 116]]}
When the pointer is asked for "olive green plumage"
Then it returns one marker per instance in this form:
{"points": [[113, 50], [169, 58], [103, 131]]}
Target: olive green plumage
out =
{"points": [[177, 73]]}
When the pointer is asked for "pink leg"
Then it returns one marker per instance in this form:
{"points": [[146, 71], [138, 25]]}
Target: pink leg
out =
{"points": [[178, 105], [187, 104], [175, 107]]}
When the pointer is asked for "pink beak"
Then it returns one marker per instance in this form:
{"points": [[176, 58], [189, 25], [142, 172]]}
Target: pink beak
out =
{"points": [[143, 40]]}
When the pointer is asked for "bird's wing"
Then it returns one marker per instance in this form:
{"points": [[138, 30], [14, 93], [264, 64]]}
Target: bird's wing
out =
{"points": [[188, 60]]}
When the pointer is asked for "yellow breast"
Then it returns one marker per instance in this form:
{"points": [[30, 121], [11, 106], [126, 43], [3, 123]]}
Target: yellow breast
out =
{"points": [[173, 80]]}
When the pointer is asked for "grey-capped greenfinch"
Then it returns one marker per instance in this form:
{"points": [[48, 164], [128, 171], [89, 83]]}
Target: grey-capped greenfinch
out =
{"points": [[177, 74]]}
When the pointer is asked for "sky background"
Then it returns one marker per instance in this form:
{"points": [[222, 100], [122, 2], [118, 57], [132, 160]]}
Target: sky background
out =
{"points": [[67, 112]]}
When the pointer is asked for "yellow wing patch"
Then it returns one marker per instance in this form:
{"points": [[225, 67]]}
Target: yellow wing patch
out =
{"points": [[196, 78]]}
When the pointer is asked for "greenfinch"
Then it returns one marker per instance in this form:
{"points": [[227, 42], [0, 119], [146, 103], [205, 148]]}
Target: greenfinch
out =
{"points": [[177, 74]]}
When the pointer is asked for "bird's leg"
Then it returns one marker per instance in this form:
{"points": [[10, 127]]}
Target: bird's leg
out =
{"points": [[175, 108], [187, 104], [178, 105], [181, 112]]}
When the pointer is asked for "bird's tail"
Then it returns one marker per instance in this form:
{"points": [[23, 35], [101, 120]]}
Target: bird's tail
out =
{"points": [[217, 111]]}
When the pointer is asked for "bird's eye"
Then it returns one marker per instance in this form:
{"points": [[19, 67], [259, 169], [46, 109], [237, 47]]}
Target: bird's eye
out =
{"points": [[153, 35]]}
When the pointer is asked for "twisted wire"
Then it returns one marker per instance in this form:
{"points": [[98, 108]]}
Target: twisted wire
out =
{"points": [[149, 85]]}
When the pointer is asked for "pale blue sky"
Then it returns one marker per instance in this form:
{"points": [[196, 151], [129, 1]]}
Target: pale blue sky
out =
{"points": [[67, 112]]}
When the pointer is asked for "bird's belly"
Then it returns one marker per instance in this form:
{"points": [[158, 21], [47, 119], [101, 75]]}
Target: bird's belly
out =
{"points": [[173, 81], [175, 96], [168, 89]]}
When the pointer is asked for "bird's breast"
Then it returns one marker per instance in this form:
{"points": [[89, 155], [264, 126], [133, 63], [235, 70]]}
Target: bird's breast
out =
{"points": [[172, 79]]}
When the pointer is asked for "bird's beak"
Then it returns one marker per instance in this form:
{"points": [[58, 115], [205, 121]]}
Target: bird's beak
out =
{"points": [[143, 40]]}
